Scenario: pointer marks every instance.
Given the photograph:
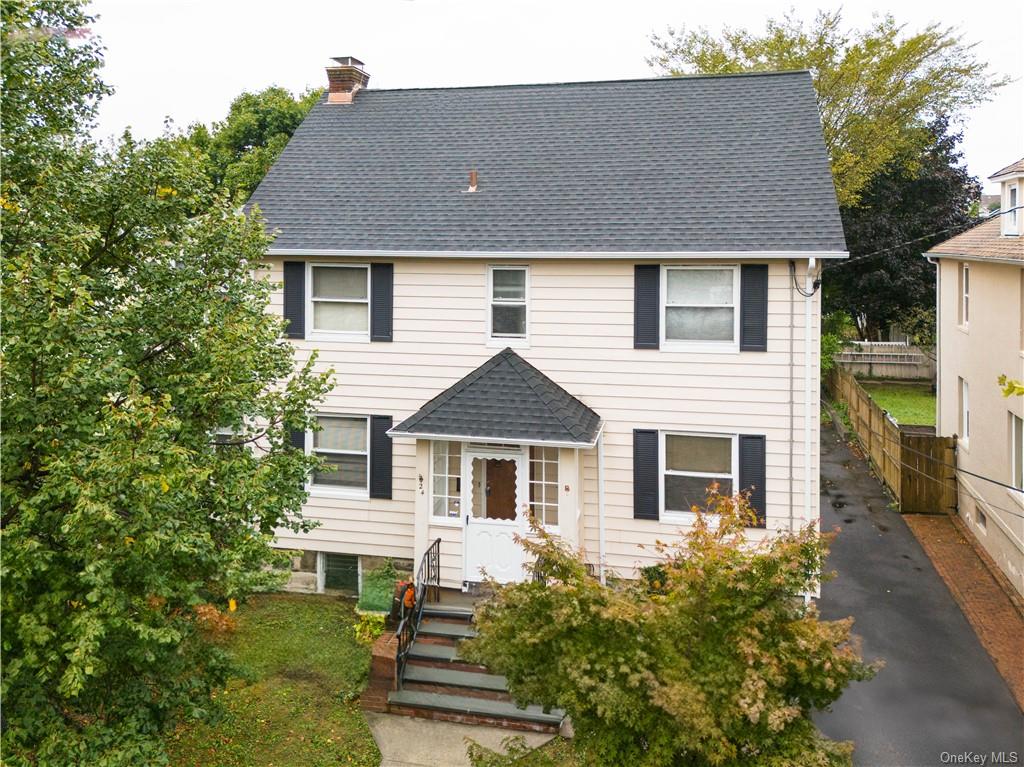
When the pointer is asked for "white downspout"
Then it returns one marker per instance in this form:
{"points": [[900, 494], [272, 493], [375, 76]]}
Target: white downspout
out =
{"points": [[808, 349], [600, 506], [938, 344]]}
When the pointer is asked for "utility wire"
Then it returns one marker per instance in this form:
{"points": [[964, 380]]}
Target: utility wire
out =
{"points": [[829, 266], [940, 462]]}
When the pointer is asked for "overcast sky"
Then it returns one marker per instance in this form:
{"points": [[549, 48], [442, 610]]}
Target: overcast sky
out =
{"points": [[186, 59]]}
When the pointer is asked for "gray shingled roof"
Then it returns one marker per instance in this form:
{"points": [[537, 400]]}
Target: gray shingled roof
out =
{"points": [[506, 400], [716, 163]]}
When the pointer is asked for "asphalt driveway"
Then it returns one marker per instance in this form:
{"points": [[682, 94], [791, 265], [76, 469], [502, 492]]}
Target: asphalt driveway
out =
{"points": [[939, 693]]}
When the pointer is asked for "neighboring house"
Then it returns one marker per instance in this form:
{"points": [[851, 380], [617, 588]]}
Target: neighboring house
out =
{"points": [[980, 289], [533, 311]]}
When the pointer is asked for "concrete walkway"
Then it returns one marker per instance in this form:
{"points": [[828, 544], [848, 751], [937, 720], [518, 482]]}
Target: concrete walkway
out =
{"points": [[939, 692], [405, 741]]}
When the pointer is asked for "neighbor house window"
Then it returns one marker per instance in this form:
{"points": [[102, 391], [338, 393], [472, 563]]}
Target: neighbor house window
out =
{"points": [[340, 299], [342, 442], [691, 463], [544, 485], [1011, 214], [1017, 452], [965, 411], [700, 305], [964, 285], [446, 480], [508, 302]]}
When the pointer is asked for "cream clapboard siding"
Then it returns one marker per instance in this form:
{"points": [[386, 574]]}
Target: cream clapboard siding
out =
{"points": [[580, 335]]}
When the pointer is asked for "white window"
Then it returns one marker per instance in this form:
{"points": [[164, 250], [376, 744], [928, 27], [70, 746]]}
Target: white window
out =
{"points": [[965, 411], [544, 485], [964, 285], [1017, 452], [1011, 214], [339, 300], [508, 305], [692, 462], [700, 307], [446, 480], [343, 442]]}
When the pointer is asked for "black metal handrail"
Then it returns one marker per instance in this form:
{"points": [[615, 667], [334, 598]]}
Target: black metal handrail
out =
{"points": [[428, 581]]}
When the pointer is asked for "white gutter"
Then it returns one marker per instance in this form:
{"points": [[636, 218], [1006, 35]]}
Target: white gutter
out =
{"points": [[808, 348], [494, 440], [600, 507], [633, 255]]}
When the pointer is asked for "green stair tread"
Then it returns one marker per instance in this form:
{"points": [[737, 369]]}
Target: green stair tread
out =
{"points": [[433, 651], [440, 628], [453, 611], [451, 678], [460, 704]]}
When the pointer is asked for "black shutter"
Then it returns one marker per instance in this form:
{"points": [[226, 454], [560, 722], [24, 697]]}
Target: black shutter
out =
{"points": [[380, 456], [646, 303], [295, 298], [753, 473], [645, 474], [382, 299], [297, 438], [754, 308]]}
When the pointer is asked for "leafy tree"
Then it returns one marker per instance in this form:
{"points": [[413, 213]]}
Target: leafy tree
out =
{"points": [[922, 200], [877, 88], [242, 148], [712, 658], [134, 328]]}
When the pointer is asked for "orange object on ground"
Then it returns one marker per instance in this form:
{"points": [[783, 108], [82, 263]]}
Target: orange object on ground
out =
{"points": [[409, 598]]}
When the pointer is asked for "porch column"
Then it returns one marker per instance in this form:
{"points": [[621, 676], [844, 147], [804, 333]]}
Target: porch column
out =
{"points": [[568, 496], [422, 506]]}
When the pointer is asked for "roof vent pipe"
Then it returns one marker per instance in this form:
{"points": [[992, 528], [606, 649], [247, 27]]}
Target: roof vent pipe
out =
{"points": [[472, 181]]}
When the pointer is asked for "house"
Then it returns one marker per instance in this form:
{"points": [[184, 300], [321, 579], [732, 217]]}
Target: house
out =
{"points": [[980, 323], [534, 313]]}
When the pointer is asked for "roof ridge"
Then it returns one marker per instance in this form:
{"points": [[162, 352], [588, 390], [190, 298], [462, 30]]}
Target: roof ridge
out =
{"points": [[663, 78], [511, 354]]}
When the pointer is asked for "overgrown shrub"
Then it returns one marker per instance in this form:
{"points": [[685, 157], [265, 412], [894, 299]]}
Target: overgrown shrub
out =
{"points": [[720, 665], [378, 588]]}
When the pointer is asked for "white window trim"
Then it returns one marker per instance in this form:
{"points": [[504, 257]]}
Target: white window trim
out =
{"points": [[332, 491], [1016, 459], [712, 347], [1012, 217], [964, 287], [964, 426], [445, 521], [519, 342], [336, 335], [556, 528], [688, 517]]}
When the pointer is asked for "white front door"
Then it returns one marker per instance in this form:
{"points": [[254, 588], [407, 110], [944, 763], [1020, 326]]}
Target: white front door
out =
{"points": [[495, 510]]}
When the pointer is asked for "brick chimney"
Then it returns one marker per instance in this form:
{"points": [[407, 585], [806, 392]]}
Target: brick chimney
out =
{"points": [[344, 79]]}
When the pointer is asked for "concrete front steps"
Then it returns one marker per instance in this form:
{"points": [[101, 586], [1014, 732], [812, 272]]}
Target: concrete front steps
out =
{"points": [[438, 684]]}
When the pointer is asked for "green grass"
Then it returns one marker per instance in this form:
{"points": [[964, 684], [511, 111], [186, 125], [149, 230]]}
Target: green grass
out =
{"points": [[295, 703], [909, 404]]}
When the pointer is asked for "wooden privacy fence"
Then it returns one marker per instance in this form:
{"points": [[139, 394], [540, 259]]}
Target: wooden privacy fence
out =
{"points": [[918, 468]]}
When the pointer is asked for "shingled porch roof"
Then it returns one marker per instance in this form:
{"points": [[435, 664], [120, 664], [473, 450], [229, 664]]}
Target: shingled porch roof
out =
{"points": [[504, 400]]}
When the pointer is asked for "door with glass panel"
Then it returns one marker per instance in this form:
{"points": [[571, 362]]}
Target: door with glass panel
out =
{"points": [[494, 492]]}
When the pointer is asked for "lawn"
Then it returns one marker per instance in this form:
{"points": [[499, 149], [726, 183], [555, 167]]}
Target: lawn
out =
{"points": [[910, 404], [295, 703]]}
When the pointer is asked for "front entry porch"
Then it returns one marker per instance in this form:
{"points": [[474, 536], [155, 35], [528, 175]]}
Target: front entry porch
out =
{"points": [[496, 451]]}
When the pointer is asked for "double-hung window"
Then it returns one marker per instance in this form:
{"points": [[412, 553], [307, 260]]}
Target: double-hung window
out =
{"points": [[700, 307], [507, 310], [1017, 454], [343, 443], [340, 300], [965, 411], [964, 285], [446, 480], [692, 462], [544, 485], [1012, 200]]}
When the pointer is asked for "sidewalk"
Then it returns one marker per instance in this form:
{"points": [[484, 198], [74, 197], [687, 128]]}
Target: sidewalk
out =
{"points": [[989, 609]]}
